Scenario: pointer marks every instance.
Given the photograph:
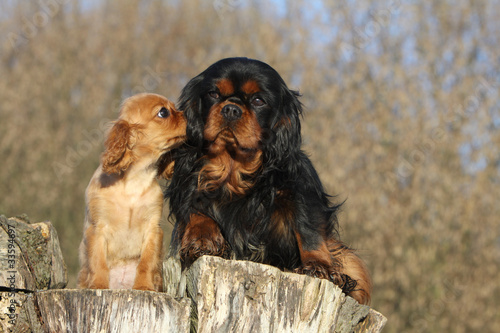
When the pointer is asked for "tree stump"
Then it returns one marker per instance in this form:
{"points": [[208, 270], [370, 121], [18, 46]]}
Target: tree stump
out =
{"points": [[112, 311], [30, 260], [214, 295], [30, 255], [242, 296]]}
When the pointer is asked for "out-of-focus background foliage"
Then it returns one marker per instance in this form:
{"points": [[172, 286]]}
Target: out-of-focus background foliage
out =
{"points": [[402, 120]]}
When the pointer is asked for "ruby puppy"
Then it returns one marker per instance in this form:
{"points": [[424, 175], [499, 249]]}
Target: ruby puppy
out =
{"points": [[122, 245]]}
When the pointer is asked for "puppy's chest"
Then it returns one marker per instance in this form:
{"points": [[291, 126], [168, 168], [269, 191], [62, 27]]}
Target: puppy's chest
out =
{"points": [[126, 237], [131, 216], [137, 202], [124, 244]]}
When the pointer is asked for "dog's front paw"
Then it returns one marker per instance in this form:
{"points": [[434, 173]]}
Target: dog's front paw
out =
{"points": [[202, 239], [327, 272], [317, 269], [203, 246], [149, 287], [99, 283]]}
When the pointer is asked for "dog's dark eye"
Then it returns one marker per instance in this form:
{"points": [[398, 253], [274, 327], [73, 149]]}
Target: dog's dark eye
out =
{"points": [[163, 113], [214, 94], [258, 102]]}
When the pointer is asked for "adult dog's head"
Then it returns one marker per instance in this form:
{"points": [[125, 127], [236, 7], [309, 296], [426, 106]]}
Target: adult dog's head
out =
{"points": [[243, 116]]}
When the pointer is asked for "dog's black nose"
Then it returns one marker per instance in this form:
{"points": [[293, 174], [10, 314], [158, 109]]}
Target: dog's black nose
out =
{"points": [[231, 112]]}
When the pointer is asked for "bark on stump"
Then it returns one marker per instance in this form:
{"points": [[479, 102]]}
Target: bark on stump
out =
{"points": [[30, 260]]}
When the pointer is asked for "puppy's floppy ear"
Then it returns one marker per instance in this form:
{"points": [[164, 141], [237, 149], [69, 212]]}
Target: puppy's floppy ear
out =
{"points": [[286, 127], [118, 154], [190, 102]]}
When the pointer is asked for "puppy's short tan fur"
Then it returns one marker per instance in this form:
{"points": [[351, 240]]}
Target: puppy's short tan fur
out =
{"points": [[122, 243]]}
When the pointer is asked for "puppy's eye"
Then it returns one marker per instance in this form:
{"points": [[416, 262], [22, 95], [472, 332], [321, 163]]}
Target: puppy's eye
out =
{"points": [[214, 94], [163, 113], [258, 102]]}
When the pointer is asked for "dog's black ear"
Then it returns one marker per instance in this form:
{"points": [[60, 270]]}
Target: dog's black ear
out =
{"points": [[191, 104], [286, 137]]}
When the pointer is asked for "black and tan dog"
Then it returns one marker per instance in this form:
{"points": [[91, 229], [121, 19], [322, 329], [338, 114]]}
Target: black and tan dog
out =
{"points": [[243, 188]]}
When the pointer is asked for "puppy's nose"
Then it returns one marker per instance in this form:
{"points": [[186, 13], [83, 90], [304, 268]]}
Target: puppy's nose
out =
{"points": [[231, 112]]}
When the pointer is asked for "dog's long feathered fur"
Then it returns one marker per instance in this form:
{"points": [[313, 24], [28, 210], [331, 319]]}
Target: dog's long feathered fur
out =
{"points": [[243, 188]]}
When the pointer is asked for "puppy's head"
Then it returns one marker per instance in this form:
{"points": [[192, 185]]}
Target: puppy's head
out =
{"points": [[245, 105], [148, 126]]}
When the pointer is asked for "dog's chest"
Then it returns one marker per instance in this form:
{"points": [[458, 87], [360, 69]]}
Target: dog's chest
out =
{"points": [[256, 231], [125, 244], [132, 216]]}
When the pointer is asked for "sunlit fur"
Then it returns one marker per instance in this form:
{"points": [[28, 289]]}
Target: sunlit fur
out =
{"points": [[122, 243], [243, 188], [226, 163]]}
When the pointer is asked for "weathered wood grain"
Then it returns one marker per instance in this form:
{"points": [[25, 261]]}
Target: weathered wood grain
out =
{"points": [[18, 313], [30, 256], [214, 295], [172, 277], [373, 323], [112, 311], [242, 296]]}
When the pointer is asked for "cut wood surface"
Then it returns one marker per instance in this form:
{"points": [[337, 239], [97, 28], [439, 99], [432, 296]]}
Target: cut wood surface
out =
{"points": [[242, 296], [112, 311]]}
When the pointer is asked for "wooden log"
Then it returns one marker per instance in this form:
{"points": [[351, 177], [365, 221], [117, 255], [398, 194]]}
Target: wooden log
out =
{"points": [[214, 295], [18, 313], [30, 260], [373, 323], [93, 310], [351, 313], [172, 278], [242, 296], [30, 256]]}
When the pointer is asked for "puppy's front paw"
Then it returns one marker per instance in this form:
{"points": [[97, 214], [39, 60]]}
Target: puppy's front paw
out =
{"points": [[99, 283], [149, 287]]}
